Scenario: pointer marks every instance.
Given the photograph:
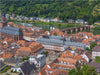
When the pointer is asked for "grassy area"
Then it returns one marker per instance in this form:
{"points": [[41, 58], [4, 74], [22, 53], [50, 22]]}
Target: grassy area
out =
{"points": [[97, 59], [7, 74], [5, 69]]}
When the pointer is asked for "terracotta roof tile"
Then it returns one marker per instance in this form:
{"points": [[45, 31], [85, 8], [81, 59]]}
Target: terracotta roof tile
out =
{"points": [[22, 42], [27, 49], [10, 23], [77, 57], [4, 55], [96, 36], [35, 46]]}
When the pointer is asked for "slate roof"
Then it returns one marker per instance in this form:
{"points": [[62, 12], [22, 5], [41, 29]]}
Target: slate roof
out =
{"points": [[97, 22], [27, 68], [1, 64], [95, 65], [96, 48], [70, 20], [20, 73], [3, 13], [80, 20], [57, 40], [60, 72], [12, 60], [11, 30]]}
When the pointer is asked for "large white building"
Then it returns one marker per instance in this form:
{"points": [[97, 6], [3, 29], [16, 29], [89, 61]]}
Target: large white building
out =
{"points": [[58, 43], [95, 51], [39, 60]]}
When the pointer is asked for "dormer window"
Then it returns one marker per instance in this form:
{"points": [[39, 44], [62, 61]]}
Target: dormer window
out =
{"points": [[63, 68]]}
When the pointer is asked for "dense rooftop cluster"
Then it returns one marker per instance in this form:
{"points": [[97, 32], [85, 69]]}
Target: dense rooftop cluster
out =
{"points": [[40, 52]]}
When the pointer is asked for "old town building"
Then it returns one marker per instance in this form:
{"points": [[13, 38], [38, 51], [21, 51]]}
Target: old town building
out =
{"points": [[9, 31]]}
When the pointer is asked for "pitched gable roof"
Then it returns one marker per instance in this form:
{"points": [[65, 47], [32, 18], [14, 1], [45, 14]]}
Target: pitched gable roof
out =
{"points": [[11, 30], [27, 68], [2, 64]]}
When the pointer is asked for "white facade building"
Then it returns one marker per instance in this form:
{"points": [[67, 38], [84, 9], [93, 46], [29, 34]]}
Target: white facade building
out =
{"points": [[17, 69], [39, 60], [95, 51]]}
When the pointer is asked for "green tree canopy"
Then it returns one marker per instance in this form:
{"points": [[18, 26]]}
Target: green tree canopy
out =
{"points": [[64, 10], [84, 70]]}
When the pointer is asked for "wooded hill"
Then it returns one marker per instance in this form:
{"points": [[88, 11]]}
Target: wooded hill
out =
{"points": [[88, 10]]}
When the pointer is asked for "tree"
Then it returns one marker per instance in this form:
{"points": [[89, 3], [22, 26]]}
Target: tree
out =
{"points": [[84, 70], [75, 9], [60, 26], [11, 9], [96, 30], [72, 72], [87, 49], [92, 45], [91, 71], [97, 59], [45, 53], [55, 34], [7, 74]]}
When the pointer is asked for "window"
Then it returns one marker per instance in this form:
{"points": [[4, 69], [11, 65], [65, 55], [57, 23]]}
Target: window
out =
{"points": [[61, 62], [65, 63], [68, 63], [63, 68], [72, 64]]}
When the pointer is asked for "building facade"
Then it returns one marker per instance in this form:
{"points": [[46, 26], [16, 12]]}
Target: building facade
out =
{"points": [[39, 60], [7, 31], [11, 32], [58, 43], [95, 51]]}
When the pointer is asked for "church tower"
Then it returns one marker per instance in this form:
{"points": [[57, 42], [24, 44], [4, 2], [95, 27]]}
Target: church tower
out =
{"points": [[3, 20]]}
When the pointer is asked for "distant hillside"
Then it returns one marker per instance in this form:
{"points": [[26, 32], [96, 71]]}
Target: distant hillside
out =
{"points": [[96, 10], [88, 10]]}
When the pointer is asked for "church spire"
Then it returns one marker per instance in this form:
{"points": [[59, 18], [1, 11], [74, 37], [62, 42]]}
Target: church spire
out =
{"points": [[3, 22], [3, 13], [3, 17]]}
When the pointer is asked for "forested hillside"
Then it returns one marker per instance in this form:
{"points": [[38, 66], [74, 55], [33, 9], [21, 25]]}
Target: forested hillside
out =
{"points": [[64, 10]]}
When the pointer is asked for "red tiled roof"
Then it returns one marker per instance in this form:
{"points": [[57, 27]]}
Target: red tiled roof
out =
{"points": [[4, 55], [10, 23], [67, 54], [26, 49], [35, 46], [22, 42], [77, 57], [58, 72], [72, 61]]}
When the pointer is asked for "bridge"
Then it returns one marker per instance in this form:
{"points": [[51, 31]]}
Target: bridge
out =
{"points": [[76, 29]]}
